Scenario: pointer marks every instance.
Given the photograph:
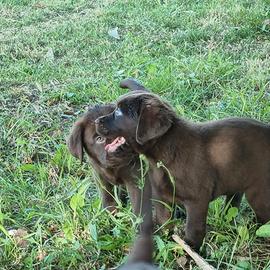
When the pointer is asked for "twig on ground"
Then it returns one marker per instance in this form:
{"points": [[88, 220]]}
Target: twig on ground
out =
{"points": [[195, 256]]}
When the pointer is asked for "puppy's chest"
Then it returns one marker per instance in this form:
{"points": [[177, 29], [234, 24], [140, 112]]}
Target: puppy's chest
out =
{"points": [[111, 175], [184, 178], [168, 186]]}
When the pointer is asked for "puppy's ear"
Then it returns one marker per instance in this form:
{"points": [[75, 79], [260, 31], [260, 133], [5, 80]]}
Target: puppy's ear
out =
{"points": [[154, 121], [75, 140], [132, 85]]}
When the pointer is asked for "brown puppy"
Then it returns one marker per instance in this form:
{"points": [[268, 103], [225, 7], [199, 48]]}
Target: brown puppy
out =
{"points": [[114, 168], [161, 187], [119, 167], [206, 159]]}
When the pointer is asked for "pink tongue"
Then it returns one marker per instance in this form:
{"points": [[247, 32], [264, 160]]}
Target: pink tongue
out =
{"points": [[115, 144]]}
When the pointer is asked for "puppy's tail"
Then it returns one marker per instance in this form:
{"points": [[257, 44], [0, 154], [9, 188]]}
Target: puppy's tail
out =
{"points": [[132, 85]]}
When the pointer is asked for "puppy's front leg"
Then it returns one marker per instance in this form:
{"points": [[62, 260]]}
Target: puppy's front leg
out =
{"points": [[196, 223], [106, 190], [141, 203], [162, 213]]}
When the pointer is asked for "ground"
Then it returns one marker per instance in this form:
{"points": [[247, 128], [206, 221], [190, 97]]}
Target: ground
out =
{"points": [[209, 59]]}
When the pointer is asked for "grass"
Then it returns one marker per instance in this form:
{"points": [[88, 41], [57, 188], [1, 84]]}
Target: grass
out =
{"points": [[209, 59]]}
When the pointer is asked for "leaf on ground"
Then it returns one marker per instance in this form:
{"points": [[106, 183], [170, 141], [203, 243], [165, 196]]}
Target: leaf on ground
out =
{"points": [[114, 33], [243, 233], [77, 201], [266, 25], [93, 231], [27, 160], [68, 231], [41, 255], [53, 175], [39, 5], [28, 167], [243, 264], [19, 236], [53, 228], [231, 214], [49, 56], [120, 72], [263, 231]]}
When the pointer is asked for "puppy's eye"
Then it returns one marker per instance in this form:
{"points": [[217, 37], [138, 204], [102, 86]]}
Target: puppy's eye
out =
{"points": [[100, 139], [118, 112]]}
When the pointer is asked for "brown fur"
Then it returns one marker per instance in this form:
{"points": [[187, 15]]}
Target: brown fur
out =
{"points": [[119, 168], [206, 159]]}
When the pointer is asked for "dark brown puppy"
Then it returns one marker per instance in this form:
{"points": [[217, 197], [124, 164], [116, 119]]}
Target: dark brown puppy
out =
{"points": [[161, 187], [206, 159], [115, 168], [83, 138], [120, 167]]}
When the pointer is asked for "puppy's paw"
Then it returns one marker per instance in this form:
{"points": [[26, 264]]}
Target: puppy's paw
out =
{"points": [[193, 244]]}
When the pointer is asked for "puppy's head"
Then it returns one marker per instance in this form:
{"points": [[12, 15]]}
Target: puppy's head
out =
{"points": [[139, 116], [84, 137]]}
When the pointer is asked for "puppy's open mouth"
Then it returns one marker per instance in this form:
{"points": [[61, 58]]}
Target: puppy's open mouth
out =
{"points": [[118, 141]]}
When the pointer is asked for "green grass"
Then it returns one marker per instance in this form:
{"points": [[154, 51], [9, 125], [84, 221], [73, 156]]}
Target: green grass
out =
{"points": [[209, 59]]}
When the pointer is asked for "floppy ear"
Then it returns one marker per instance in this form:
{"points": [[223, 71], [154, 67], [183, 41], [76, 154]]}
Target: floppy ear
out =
{"points": [[154, 121], [74, 142]]}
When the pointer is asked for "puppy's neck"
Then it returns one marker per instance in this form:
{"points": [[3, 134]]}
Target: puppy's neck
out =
{"points": [[175, 141]]}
